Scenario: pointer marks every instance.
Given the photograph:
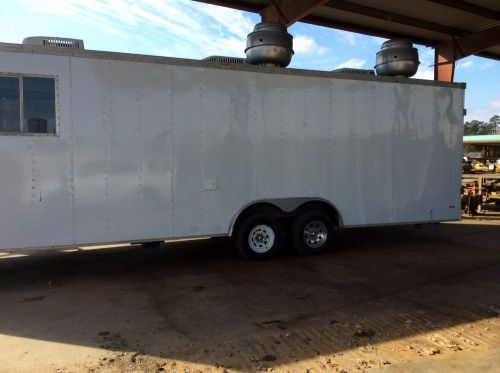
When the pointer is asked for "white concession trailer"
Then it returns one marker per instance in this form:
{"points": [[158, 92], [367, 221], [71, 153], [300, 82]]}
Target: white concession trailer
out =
{"points": [[99, 147]]}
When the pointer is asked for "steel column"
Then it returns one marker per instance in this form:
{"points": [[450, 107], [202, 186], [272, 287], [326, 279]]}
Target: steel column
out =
{"points": [[444, 63]]}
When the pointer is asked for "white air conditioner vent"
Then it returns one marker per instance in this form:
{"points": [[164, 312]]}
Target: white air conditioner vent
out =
{"points": [[51, 41]]}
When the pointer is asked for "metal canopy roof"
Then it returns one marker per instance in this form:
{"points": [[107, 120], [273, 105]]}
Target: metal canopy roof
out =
{"points": [[482, 139], [426, 22]]}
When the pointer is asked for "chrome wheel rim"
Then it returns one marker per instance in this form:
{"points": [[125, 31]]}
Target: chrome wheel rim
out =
{"points": [[315, 234], [261, 238]]}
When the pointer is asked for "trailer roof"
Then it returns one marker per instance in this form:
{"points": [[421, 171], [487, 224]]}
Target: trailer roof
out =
{"points": [[86, 53]]}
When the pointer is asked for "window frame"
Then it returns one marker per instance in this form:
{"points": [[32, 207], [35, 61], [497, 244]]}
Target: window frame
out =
{"points": [[20, 76]]}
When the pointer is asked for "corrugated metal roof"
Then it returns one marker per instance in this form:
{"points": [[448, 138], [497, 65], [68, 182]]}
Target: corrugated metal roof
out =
{"points": [[482, 139], [427, 22]]}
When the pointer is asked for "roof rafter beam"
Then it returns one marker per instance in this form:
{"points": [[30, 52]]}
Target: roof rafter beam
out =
{"points": [[238, 5], [371, 31], [393, 17], [469, 8], [488, 55], [289, 11], [351, 27]]}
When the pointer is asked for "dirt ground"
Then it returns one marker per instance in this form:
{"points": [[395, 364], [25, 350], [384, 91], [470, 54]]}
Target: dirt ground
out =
{"points": [[393, 299]]}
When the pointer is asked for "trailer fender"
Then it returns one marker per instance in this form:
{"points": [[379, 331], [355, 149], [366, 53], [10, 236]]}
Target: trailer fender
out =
{"points": [[286, 207]]}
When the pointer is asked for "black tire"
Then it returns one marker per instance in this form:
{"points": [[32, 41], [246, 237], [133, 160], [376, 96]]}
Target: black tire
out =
{"points": [[250, 227], [322, 225]]}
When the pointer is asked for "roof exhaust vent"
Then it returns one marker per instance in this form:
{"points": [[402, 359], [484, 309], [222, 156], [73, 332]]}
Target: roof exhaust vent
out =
{"points": [[397, 57], [269, 44], [51, 41], [225, 59], [352, 71]]}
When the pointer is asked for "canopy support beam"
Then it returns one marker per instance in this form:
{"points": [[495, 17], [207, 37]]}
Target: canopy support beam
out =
{"points": [[448, 52], [288, 12]]}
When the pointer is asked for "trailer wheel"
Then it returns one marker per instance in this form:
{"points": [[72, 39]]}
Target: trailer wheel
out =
{"points": [[259, 237], [312, 232]]}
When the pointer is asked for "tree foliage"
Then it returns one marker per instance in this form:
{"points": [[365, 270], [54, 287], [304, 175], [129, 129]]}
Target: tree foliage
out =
{"points": [[476, 127]]}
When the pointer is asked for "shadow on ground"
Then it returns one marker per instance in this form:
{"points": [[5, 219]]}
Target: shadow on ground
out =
{"points": [[199, 302]]}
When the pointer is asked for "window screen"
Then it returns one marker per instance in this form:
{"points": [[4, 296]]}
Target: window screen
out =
{"points": [[9, 104], [39, 105]]}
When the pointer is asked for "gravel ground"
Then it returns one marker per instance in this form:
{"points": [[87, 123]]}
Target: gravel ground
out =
{"points": [[394, 299]]}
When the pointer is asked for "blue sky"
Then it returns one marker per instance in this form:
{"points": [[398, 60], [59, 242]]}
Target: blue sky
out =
{"points": [[183, 28]]}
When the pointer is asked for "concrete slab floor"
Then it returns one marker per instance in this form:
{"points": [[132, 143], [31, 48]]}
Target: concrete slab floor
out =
{"points": [[394, 299]]}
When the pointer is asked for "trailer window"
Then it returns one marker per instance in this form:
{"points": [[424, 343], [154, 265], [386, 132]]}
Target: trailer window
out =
{"points": [[27, 105], [39, 105], [9, 105]]}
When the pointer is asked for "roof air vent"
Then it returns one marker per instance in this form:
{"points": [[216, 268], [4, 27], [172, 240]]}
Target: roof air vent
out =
{"points": [[224, 59], [349, 70], [397, 57], [50, 41], [269, 44]]}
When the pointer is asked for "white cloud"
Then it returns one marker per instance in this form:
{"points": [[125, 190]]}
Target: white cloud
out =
{"points": [[233, 20], [185, 28], [426, 67], [484, 113], [355, 63], [474, 65], [346, 37], [307, 45], [495, 103], [424, 73], [465, 65], [486, 65], [377, 40], [188, 29], [478, 113]]}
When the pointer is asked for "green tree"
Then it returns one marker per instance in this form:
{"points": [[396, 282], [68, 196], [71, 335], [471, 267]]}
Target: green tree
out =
{"points": [[495, 123], [476, 127], [472, 127]]}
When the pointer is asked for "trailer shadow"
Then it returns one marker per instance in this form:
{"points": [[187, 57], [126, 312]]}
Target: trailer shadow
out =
{"points": [[198, 302]]}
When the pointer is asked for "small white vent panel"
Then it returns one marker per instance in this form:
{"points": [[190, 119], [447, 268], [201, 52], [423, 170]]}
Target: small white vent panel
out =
{"points": [[50, 41]]}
